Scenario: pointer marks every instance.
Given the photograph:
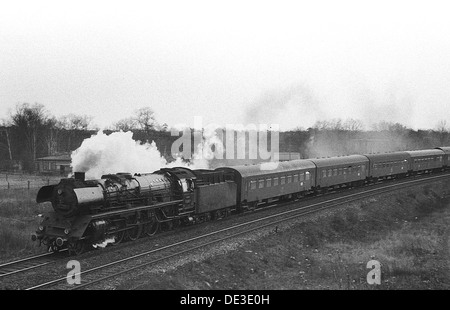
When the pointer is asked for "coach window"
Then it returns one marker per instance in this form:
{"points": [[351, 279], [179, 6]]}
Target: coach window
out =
{"points": [[324, 173], [302, 177], [275, 181], [350, 170], [363, 168], [340, 171], [335, 172], [307, 175], [330, 172], [282, 180], [253, 184], [344, 171], [289, 179], [268, 182], [295, 178], [261, 183]]}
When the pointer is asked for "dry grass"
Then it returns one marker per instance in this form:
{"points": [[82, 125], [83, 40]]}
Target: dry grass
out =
{"points": [[18, 220]]}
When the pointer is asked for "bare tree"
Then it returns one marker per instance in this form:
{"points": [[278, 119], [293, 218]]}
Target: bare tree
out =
{"points": [[353, 125], [30, 121], [442, 131], [390, 126], [125, 124], [145, 118], [75, 122]]}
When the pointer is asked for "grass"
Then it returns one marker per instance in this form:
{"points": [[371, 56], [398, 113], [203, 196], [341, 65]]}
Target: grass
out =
{"points": [[18, 220]]}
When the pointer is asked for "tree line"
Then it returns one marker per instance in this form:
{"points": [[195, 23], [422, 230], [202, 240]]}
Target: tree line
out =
{"points": [[31, 132]]}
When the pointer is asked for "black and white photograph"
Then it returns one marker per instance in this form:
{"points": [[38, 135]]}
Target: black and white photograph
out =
{"points": [[218, 153]]}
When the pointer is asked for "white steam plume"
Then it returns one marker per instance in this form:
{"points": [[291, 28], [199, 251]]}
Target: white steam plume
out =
{"points": [[118, 152]]}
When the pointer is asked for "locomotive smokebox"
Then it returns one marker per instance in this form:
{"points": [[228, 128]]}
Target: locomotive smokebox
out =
{"points": [[80, 176]]}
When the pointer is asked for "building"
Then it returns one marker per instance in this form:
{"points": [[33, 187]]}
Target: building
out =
{"points": [[56, 164]]}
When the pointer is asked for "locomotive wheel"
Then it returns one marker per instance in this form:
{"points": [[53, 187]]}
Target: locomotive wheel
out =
{"points": [[152, 228], [135, 232], [118, 237], [152, 225], [76, 248]]}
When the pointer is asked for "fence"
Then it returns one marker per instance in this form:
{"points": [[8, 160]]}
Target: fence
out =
{"points": [[10, 181]]}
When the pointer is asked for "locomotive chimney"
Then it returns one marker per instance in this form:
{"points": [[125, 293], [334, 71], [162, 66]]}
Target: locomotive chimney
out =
{"points": [[80, 176]]}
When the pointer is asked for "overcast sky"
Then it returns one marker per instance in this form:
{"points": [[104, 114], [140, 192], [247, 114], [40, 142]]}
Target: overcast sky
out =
{"points": [[290, 63]]}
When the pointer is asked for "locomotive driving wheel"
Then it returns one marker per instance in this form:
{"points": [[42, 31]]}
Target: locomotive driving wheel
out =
{"points": [[135, 232], [118, 236], [152, 227]]}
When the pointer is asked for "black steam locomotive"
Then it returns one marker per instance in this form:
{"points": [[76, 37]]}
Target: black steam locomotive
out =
{"points": [[124, 206]]}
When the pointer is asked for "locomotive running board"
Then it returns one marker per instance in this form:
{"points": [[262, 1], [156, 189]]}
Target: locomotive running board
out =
{"points": [[135, 209]]}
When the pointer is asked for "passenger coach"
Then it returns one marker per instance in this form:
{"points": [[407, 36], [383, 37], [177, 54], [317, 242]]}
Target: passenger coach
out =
{"points": [[426, 160], [388, 165], [258, 183], [337, 171]]}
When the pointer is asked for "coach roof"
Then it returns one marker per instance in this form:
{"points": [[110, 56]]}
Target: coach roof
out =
{"points": [[446, 149], [388, 156], [271, 167], [430, 152], [340, 160]]}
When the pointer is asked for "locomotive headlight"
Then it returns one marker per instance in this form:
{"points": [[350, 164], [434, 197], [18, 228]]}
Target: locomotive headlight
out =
{"points": [[67, 231], [41, 228]]}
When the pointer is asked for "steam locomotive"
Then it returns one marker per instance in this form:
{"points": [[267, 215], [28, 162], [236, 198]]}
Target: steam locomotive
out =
{"points": [[124, 206]]}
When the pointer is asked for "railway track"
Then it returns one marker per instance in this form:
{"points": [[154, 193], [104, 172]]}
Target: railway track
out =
{"points": [[28, 263], [142, 260]]}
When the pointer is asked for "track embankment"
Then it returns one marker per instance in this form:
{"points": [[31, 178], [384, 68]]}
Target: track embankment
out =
{"points": [[406, 231]]}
